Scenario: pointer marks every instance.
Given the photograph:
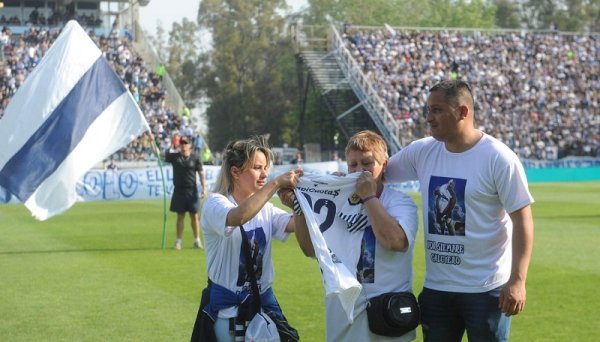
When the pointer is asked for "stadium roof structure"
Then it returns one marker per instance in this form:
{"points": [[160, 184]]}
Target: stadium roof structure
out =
{"points": [[52, 3]]}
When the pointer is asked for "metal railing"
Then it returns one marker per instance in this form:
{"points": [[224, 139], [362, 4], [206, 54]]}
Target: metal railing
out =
{"points": [[143, 46], [364, 90]]}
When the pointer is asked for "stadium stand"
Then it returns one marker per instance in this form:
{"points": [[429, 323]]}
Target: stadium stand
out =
{"points": [[537, 92]]}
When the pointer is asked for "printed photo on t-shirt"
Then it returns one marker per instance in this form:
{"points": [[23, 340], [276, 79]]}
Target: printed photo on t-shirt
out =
{"points": [[446, 201], [365, 269], [258, 243]]}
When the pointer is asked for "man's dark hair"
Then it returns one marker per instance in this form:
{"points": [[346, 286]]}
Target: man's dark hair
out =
{"points": [[453, 90]]}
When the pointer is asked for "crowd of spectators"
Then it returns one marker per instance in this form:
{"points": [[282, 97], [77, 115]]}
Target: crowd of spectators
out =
{"points": [[57, 18], [23, 52], [537, 92]]}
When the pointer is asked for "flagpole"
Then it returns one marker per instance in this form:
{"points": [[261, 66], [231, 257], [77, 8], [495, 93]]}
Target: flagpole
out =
{"points": [[162, 176]]}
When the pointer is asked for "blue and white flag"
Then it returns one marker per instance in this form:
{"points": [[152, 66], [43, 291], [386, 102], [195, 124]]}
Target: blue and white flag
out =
{"points": [[71, 113]]}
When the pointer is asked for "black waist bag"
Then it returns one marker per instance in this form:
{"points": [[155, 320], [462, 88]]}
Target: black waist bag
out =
{"points": [[393, 314]]}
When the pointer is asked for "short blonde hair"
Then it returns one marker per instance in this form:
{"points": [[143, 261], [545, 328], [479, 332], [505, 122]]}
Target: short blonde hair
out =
{"points": [[369, 141], [240, 153]]}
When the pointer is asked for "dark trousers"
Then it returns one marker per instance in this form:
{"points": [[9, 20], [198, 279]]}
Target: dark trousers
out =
{"points": [[203, 327]]}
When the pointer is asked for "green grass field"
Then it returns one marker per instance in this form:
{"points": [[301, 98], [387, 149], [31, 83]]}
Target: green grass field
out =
{"points": [[98, 273]]}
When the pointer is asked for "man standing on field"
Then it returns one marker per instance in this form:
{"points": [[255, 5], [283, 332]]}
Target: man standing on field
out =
{"points": [[475, 278], [185, 195]]}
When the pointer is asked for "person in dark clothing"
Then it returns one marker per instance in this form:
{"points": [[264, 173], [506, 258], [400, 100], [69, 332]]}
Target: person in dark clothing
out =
{"points": [[185, 194]]}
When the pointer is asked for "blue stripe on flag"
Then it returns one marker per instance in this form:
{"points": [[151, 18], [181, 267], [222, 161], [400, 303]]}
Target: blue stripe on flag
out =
{"points": [[46, 149]]}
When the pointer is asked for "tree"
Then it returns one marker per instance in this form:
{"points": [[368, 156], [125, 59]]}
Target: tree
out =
{"points": [[159, 41], [507, 14], [246, 75], [428, 13], [539, 14], [593, 10], [184, 50], [460, 14], [574, 17], [373, 12], [563, 15]]}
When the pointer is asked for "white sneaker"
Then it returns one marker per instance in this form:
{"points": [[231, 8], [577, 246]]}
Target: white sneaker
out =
{"points": [[178, 245], [198, 244]]}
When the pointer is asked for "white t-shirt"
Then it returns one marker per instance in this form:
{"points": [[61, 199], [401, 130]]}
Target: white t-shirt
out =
{"points": [[378, 270], [224, 256], [467, 247]]}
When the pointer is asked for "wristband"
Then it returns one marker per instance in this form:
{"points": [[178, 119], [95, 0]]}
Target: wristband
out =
{"points": [[297, 208], [364, 200]]}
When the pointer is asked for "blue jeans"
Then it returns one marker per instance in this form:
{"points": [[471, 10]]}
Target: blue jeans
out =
{"points": [[446, 315]]}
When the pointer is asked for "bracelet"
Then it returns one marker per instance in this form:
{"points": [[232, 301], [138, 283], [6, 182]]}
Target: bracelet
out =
{"points": [[364, 200]]}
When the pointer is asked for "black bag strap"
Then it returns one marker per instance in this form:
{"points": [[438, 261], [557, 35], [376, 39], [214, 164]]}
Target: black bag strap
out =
{"points": [[250, 270]]}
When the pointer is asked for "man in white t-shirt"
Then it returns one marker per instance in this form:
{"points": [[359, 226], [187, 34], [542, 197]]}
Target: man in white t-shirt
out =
{"points": [[479, 233]]}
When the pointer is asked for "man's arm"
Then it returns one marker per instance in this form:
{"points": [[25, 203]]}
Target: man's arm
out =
{"points": [[303, 236], [512, 297], [203, 183]]}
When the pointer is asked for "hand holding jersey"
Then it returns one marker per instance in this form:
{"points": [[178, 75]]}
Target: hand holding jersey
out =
{"points": [[241, 197]]}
